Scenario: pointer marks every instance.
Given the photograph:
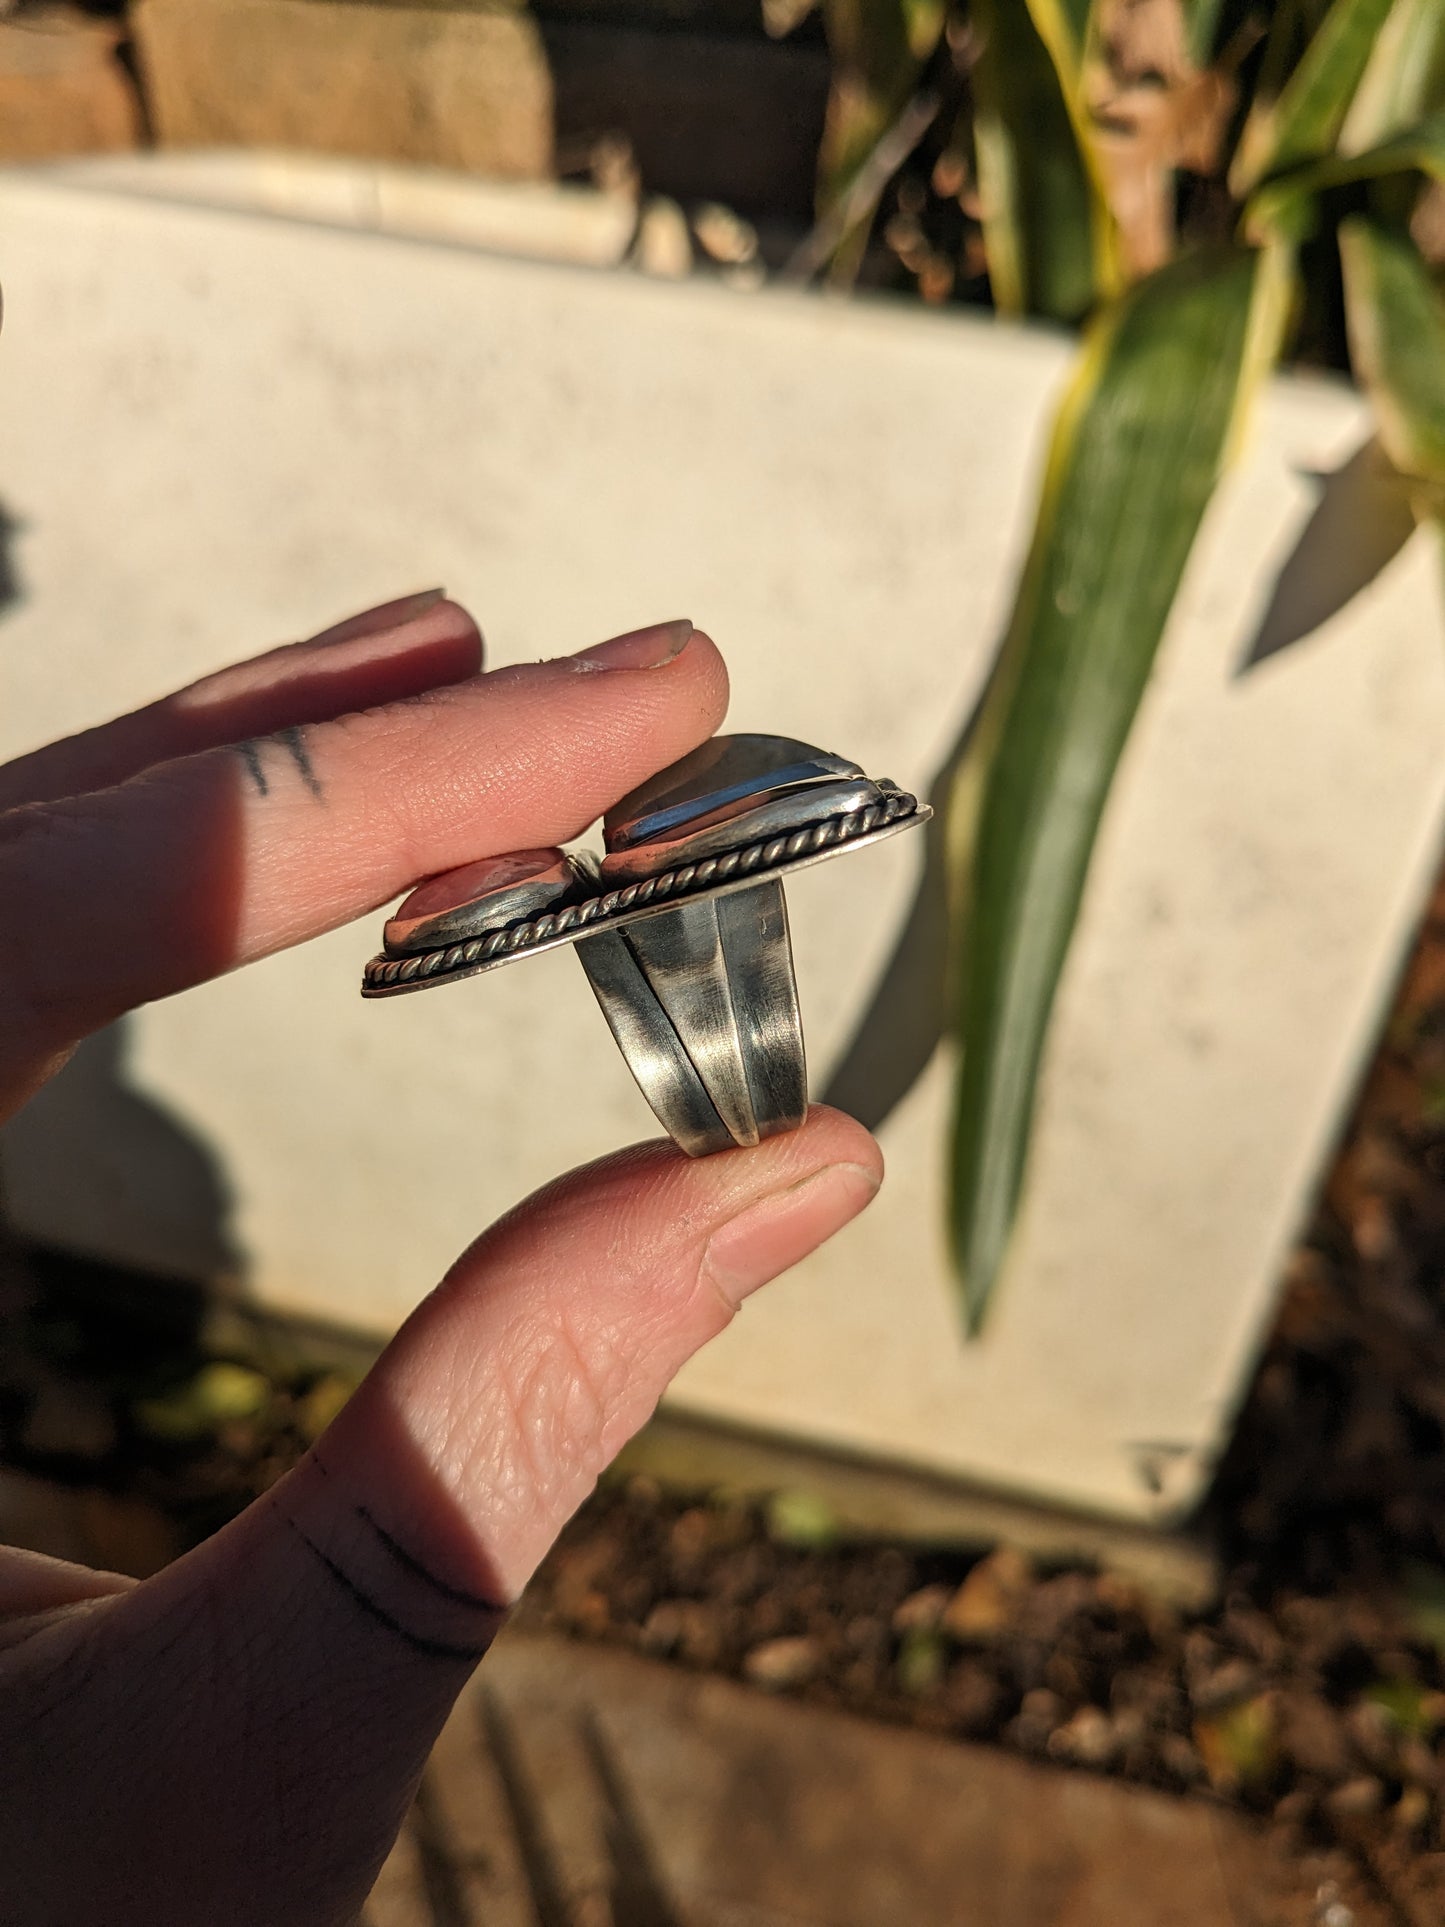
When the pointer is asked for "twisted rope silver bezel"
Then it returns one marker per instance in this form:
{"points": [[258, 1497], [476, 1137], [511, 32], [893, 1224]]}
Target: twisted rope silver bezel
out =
{"points": [[388, 974]]}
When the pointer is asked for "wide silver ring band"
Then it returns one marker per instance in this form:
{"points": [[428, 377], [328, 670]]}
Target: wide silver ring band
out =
{"points": [[703, 1003]]}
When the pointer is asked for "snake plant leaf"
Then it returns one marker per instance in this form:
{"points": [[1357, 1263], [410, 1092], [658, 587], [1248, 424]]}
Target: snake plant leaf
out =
{"points": [[1067, 29], [1404, 79], [1047, 231], [1284, 205], [1292, 25], [1396, 321], [1137, 447], [1304, 122], [879, 49], [1201, 29]]}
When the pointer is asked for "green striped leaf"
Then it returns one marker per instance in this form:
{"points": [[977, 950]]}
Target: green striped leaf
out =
{"points": [[1047, 231], [1284, 205], [1067, 29], [879, 49], [1136, 450], [1397, 343], [1404, 80], [1304, 122]]}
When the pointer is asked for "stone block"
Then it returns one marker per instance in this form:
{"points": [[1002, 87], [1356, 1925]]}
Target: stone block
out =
{"points": [[639, 1792], [707, 114], [62, 89], [445, 86]]}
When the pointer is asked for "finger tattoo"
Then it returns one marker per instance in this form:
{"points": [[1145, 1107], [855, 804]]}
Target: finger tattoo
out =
{"points": [[251, 757], [470, 1650], [398, 1589], [293, 741]]}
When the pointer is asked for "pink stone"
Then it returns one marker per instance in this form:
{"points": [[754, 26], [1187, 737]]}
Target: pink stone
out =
{"points": [[453, 888]]}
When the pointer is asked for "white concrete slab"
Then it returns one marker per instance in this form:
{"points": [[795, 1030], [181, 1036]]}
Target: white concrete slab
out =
{"points": [[218, 430]]}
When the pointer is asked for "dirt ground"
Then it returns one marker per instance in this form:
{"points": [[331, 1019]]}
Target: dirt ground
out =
{"points": [[1312, 1693]]}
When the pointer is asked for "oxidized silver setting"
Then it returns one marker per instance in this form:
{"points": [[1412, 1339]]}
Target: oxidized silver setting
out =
{"points": [[682, 928]]}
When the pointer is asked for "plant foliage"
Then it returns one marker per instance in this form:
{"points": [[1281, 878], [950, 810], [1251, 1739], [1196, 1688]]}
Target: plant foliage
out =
{"points": [[1188, 202]]}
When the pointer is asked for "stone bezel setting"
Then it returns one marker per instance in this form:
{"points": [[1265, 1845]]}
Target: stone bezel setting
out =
{"points": [[600, 907]]}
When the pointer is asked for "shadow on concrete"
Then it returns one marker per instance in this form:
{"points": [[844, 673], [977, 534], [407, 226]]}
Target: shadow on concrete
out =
{"points": [[11, 588], [1360, 523], [636, 1889], [909, 1011], [94, 1167], [546, 1888], [639, 1888]]}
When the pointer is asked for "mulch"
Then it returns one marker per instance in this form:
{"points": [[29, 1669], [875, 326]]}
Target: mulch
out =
{"points": [[1312, 1693]]}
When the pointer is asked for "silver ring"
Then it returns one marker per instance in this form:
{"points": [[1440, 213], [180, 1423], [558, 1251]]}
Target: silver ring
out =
{"points": [[682, 928]]}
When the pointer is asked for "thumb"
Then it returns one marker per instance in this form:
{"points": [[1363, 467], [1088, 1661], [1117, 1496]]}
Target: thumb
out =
{"points": [[321, 1638]]}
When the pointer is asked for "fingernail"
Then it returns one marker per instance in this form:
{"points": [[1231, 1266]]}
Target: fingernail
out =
{"points": [[386, 615], [647, 648], [777, 1232]]}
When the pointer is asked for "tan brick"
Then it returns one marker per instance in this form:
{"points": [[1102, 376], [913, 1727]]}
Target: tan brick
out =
{"points": [[62, 90], [462, 89]]}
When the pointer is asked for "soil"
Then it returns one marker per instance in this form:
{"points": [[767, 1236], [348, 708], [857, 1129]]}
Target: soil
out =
{"points": [[1312, 1693]]}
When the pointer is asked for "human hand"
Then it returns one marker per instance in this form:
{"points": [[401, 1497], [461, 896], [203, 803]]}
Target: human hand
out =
{"points": [[237, 1739]]}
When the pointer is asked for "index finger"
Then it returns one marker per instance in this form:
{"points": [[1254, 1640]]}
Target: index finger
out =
{"points": [[131, 893]]}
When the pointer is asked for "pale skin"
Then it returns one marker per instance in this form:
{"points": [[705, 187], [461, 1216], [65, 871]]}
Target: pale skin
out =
{"points": [[237, 1739]]}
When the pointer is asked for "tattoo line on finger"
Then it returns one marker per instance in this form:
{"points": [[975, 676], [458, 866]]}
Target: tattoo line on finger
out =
{"points": [[250, 755], [408, 1560], [293, 741], [419, 1642], [478, 1601]]}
